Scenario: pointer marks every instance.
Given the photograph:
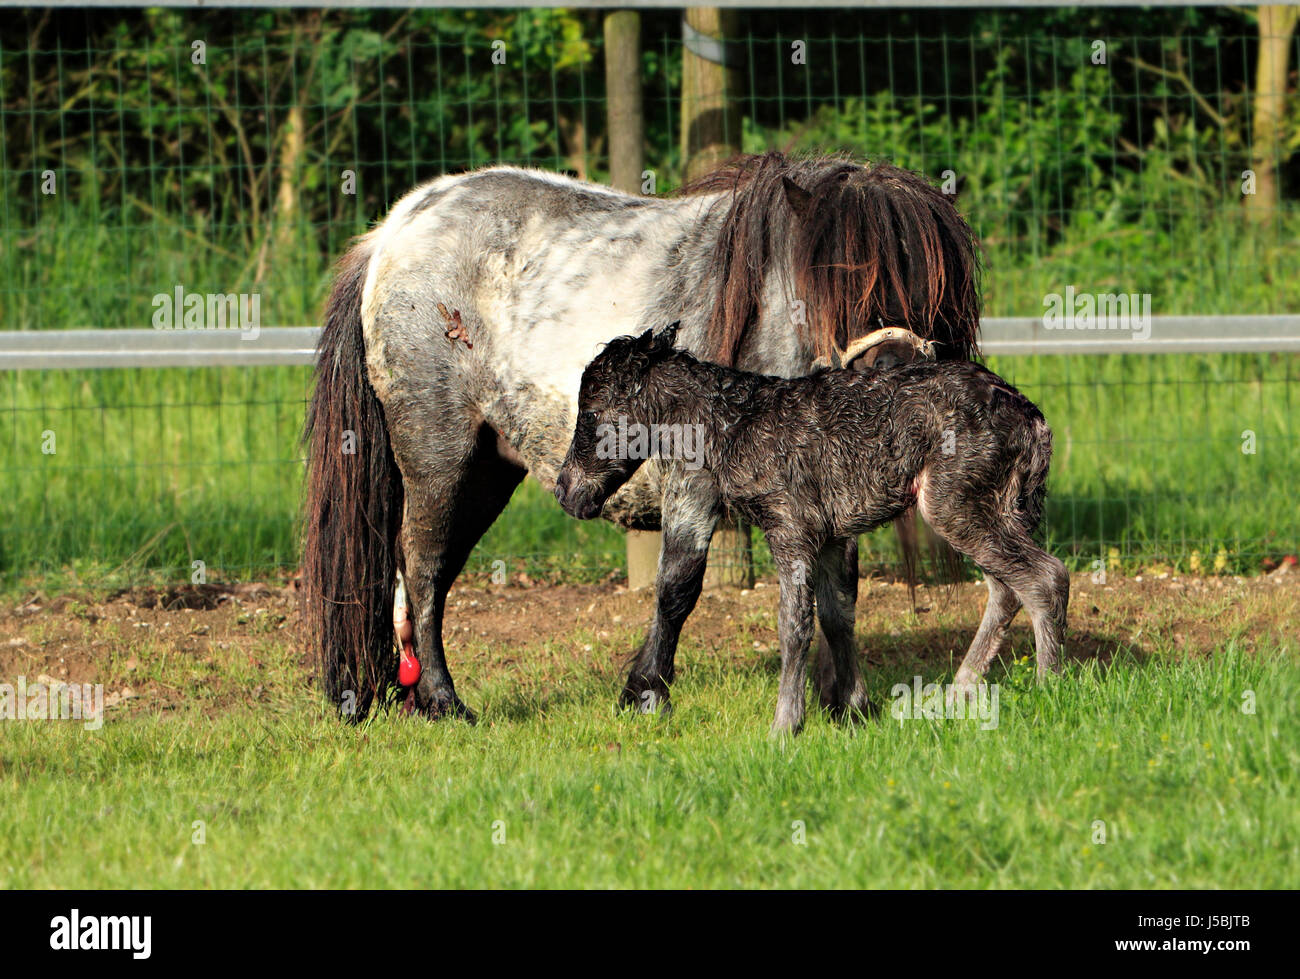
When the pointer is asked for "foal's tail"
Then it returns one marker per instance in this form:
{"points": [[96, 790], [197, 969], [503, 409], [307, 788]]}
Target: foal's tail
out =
{"points": [[1036, 459], [353, 509], [1030, 438]]}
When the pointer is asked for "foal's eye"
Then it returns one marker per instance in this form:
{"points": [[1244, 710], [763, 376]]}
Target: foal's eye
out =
{"points": [[588, 417]]}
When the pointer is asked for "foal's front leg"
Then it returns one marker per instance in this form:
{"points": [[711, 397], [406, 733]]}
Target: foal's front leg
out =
{"points": [[691, 506], [795, 622], [839, 681]]}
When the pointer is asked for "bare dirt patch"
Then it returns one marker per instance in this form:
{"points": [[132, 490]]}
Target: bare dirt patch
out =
{"points": [[157, 649]]}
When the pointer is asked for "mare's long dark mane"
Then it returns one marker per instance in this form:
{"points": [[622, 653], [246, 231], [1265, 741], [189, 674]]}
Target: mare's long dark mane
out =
{"points": [[880, 246]]}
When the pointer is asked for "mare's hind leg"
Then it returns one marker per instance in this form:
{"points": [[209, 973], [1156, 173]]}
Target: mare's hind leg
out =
{"points": [[691, 507], [1002, 608], [839, 682], [448, 508]]}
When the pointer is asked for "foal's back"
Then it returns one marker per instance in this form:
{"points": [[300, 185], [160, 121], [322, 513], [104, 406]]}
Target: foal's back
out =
{"points": [[847, 447], [875, 410]]}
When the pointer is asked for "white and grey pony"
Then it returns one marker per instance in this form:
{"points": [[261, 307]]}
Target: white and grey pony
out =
{"points": [[456, 335]]}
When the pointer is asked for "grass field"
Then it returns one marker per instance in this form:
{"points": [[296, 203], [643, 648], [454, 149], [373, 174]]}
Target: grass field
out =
{"points": [[1145, 738]]}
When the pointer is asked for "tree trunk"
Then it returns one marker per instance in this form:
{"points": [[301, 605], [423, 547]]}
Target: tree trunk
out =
{"points": [[731, 556], [573, 135], [282, 220], [625, 124], [292, 147], [1276, 25]]}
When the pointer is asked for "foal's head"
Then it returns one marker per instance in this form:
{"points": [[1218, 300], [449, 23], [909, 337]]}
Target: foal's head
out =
{"points": [[613, 384]]}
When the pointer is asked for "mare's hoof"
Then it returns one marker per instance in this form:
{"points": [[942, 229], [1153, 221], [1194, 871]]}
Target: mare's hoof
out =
{"points": [[645, 698], [441, 707]]}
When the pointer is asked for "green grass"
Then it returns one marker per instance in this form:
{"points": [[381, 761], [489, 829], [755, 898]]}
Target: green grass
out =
{"points": [[1192, 791], [1148, 455], [153, 470]]}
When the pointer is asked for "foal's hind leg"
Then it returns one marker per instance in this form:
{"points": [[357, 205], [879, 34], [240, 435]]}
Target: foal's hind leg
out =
{"points": [[1037, 580], [1002, 608], [447, 511], [690, 507], [1042, 584], [1045, 592], [839, 682], [1002, 549]]}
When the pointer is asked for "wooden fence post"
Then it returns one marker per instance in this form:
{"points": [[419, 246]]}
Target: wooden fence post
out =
{"points": [[1268, 130], [711, 135], [626, 127]]}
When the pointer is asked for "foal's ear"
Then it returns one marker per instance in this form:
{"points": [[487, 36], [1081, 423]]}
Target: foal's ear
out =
{"points": [[658, 343], [800, 201]]}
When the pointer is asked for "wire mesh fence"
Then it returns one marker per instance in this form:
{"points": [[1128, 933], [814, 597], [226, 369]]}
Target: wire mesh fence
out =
{"points": [[1144, 153]]}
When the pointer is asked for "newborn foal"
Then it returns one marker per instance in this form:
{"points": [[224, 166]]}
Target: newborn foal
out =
{"points": [[817, 460]]}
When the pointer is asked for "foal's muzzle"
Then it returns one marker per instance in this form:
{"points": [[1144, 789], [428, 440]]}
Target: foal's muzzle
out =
{"points": [[562, 488], [577, 501]]}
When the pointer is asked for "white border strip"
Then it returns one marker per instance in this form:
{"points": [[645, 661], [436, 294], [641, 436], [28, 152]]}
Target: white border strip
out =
{"points": [[644, 4]]}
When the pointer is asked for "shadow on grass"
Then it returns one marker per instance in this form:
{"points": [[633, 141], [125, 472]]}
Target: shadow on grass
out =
{"points": [[934, 654]]}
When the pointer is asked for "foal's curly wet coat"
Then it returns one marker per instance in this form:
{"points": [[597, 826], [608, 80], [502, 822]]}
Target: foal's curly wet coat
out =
{"points": [[817, 460]]}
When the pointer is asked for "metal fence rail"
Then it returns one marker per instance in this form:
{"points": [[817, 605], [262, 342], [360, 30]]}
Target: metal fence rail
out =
{"points": [[295, 345], [100, 348]]}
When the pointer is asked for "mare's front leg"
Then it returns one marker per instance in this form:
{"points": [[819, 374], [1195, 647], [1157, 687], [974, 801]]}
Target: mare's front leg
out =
{"points": [[446, 513], [691, 507], [797, 567]]}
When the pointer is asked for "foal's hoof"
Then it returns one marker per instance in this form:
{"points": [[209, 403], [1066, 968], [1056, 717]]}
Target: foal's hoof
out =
{"points": [[857, 712]]}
